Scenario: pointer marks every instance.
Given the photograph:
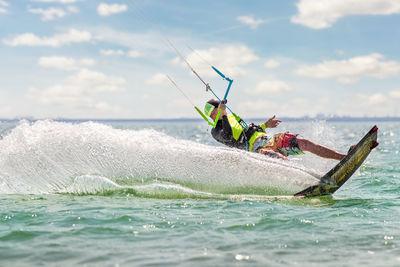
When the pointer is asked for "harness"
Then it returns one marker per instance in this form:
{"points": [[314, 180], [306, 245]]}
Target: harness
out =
{"points": [[246, 137]]}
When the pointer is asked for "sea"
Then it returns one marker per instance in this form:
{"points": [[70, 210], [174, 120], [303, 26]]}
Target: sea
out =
{"points": [[164, 193]]}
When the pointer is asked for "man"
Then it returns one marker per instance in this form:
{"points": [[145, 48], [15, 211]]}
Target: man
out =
{"points": [[229, 132]]}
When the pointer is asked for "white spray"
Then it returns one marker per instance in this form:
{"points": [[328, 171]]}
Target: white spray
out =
{"points": [[54, 157]]}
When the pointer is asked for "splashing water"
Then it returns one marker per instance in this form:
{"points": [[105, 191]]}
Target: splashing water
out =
{"points": [[57, 157]]}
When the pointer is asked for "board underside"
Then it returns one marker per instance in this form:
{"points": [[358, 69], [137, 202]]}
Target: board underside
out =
{"points": [[338, 175]]}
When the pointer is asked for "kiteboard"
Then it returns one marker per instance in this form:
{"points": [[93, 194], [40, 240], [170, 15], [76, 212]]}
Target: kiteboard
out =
{"points": [[339, 174]]}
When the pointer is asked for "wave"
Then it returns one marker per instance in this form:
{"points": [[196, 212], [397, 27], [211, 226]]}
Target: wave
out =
{"points": [[93, 158]]}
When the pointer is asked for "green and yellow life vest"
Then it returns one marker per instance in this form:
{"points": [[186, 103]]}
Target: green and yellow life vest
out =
{"points": [[237, 130]]}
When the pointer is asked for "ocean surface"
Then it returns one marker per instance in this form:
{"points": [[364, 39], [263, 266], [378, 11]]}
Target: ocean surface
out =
{"points": [[166, 194]]}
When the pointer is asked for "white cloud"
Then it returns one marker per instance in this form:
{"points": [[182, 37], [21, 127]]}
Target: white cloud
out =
{"points": [[107, 10], [111, 52], [120, 52], [377, 99], [80, 91], [3, 10], [379, 104], [142, 41], [5, 111], [64, 63], [30, 39], [134, 54], [271, 64], [228, 59], [269, 86], [356, 105], [180, 102], [256, 108], [250, 21], [291, 107], [56, 1], [52, 13], [395, 94], [158, 79], [7, 107], [73, 9], [351, 70], [340, 52], [96, 81], [176, 61], [86, 62], [323, 13], [48, 14]]}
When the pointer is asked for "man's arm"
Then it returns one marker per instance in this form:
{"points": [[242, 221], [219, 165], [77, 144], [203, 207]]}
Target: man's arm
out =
{"points": [[270, 123], [223, 131]]}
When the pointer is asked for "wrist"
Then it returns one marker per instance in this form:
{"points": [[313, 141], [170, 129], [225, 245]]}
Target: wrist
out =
{"points": [[263, 126]]}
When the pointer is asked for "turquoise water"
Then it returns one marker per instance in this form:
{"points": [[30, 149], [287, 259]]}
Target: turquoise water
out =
{"points": [[128, 193]]}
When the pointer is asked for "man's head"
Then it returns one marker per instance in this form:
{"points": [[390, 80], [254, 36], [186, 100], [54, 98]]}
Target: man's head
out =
{"points": [[211, 108]]}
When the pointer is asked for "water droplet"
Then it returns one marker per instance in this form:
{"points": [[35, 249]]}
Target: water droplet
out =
{"points": [[242, 257]]}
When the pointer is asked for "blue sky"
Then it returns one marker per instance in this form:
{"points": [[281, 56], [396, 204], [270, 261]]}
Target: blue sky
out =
{"points": [[108, 59]]}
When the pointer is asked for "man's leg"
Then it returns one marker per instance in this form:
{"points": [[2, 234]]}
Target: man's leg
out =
{"points": [[322, 151]]}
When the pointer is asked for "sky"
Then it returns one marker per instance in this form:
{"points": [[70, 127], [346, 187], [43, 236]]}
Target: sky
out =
{"points": [[110, 59]]}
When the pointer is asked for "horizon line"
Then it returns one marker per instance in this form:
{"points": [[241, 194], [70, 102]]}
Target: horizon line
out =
{"points": [[303, 118]]}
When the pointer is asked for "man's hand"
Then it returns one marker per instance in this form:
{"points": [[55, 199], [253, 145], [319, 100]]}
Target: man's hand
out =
{"points": [[272, 154], [272, 123]]}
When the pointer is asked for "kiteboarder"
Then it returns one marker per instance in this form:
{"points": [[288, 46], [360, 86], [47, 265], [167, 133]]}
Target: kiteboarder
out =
{"points": [[229, 132]]}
